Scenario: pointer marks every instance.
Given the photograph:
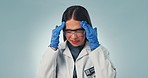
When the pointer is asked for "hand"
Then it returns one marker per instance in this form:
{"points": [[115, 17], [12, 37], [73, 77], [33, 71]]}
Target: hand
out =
{"points": [[55, 35], [91, 35]]}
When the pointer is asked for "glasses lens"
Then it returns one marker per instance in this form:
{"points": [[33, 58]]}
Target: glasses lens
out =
{"points": [[78, 32]]}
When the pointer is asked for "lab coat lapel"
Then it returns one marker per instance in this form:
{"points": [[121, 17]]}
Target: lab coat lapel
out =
{"points": [[65, 49], [85, 51], [67, 52]]}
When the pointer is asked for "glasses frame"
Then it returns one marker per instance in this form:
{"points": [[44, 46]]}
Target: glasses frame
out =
{"points": [[73, 31]]}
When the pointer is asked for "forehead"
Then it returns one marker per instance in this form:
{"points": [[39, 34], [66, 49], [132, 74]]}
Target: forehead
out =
{"points": [[73, 24]]}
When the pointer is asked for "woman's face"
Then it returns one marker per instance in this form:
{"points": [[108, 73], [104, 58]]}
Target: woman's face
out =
{"points": [[74, 32]]}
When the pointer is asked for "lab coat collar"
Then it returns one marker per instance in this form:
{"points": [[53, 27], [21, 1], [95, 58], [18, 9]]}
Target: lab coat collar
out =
{"points": [[65, 50]]}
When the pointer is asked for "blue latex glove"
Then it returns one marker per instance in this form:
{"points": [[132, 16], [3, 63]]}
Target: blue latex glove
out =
{"points": [[91, 35], [55, 35]]}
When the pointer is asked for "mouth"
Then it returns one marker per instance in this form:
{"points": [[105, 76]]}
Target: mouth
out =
{"points": [[75, 41]]}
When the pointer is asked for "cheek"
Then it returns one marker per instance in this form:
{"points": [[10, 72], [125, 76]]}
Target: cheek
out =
{"points": [[83, 38], [67, 38]]}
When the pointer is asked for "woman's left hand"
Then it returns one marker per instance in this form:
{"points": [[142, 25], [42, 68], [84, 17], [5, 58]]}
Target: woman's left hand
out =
{"points": [[91, 35]]}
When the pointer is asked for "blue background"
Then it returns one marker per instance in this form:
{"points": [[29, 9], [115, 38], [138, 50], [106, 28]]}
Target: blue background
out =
{"points": [[25, 31]]}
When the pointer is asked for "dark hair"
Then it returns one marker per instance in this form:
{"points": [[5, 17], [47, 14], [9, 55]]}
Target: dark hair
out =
{"points": [[76, 12]]}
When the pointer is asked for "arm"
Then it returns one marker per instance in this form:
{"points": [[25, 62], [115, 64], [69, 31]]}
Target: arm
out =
{"points": [[102, 63], [99, 55], [47, 68], [48, 64]]}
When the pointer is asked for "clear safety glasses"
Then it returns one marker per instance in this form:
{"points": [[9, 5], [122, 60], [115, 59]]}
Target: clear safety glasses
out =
{"points": [[78, 32]]}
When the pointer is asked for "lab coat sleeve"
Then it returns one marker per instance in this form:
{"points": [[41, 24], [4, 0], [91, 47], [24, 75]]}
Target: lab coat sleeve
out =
{"points": [[102, 64], [47, 68]]}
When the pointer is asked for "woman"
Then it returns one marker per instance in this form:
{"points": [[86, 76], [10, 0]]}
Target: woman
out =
{"points": [[80, 55]]}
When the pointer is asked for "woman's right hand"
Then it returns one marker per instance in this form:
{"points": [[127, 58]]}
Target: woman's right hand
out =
{"points": [[55, 36]]}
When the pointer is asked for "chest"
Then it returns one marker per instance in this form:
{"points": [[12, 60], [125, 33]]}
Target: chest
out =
{"points": [[84, 67]]}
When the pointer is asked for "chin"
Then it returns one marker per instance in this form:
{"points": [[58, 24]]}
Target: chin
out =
{"points": [[75, 45]]}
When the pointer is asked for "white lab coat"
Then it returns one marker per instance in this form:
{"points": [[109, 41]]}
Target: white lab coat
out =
{"points": [[60, 63]]}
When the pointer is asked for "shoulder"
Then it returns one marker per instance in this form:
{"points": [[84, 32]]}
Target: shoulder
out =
{"points": [[101, 50], [62, 45]]}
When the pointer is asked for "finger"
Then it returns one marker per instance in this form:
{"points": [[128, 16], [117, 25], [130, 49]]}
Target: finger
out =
{"points": [[95, 31], [63, 24], [81, 23], [84, 25], [56, 26], [59, 28], [88, 27]]}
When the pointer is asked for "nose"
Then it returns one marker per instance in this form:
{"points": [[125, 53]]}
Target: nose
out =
{"points": [[74, 35]]}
